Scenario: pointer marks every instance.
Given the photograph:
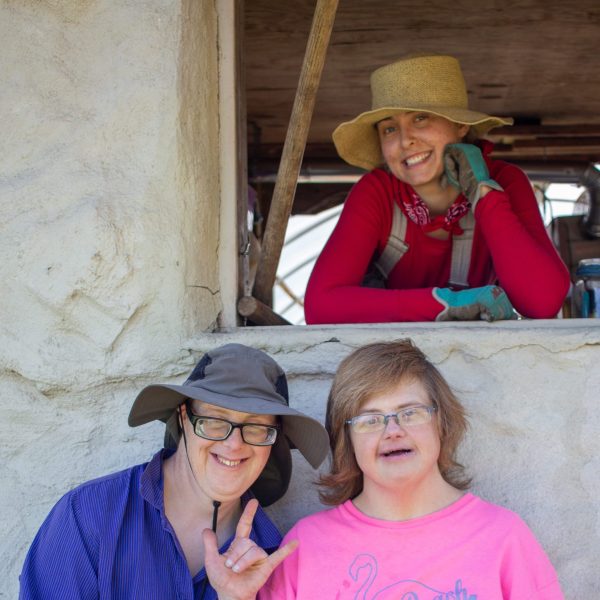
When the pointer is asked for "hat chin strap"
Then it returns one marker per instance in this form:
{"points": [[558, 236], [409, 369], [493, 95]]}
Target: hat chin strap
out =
{"points": [[215, 503]]}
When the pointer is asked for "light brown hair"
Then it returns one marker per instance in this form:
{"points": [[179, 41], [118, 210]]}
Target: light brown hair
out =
{"points": [[372, 370]]}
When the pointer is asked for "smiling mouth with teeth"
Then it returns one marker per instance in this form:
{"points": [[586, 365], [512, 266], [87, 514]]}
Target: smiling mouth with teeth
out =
{"points": [[416, 159], [226, 462]]}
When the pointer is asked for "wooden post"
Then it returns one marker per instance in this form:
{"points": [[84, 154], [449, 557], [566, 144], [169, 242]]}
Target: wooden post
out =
{"points": [[293, 148], [243, 239]]}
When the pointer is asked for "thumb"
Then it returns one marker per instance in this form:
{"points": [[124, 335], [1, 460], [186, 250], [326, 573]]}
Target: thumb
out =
{"points": [[451, 169], [211, 550]]}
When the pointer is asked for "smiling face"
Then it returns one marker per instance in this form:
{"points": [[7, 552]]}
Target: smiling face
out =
{"points": [[412, 144], [397, 455], [225, 469]]}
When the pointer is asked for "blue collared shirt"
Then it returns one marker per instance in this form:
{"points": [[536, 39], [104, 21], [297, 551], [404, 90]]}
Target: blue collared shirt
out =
{"points": [[110, 539]]}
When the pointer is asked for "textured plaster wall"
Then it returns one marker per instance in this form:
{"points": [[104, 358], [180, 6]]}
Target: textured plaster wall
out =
{"points": [[109, 233], [109, 186]]}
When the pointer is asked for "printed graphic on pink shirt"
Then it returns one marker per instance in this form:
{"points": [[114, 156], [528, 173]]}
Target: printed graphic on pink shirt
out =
{"points": [[363, 586]]}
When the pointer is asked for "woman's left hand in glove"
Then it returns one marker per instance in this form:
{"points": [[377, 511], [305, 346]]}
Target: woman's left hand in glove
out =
{"points": [[465, 169], [489, 303]]}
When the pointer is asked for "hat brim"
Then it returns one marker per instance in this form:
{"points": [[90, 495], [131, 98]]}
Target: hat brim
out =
{"points": [[274, 479], [358, 144], [158, 401]]}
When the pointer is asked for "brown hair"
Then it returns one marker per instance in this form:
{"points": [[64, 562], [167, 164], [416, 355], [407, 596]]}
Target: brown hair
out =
{"points": [[372, 370], [471, 137]]}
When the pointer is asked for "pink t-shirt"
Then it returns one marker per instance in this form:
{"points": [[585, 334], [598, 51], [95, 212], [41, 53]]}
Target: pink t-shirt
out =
{"points": [[470, 550]]}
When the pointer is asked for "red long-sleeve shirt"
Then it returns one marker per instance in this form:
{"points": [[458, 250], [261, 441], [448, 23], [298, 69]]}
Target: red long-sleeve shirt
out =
{"points": [[510, 245]]}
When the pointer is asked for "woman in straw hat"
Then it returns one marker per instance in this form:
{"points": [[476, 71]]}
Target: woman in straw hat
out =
{"points": [[444, 224], [403, 524]]}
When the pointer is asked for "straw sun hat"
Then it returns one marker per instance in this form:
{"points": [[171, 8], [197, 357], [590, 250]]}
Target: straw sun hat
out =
{"points": [[432, 84]]}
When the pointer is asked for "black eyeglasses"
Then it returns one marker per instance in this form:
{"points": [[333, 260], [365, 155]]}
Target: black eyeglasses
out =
{"points": [[217, 429]]}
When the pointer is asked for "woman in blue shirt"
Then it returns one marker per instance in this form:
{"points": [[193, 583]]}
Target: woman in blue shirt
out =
{"points": [[138, 533]]}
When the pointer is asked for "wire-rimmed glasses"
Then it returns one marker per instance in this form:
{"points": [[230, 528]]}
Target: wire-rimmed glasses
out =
{"points": [[419, 414]]}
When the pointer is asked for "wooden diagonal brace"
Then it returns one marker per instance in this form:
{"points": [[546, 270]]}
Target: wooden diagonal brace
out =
{"points": [[293, 148]]}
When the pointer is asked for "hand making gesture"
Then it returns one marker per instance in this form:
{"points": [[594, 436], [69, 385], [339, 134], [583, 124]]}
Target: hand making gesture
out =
{"points": [[242, 570]]}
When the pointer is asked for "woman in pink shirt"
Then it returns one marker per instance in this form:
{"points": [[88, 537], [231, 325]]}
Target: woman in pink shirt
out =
{"points": [[403, 525], [456, 235]]}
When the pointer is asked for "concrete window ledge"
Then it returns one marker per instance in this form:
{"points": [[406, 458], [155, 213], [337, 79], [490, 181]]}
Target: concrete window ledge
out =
{"points": [[436, 339]]}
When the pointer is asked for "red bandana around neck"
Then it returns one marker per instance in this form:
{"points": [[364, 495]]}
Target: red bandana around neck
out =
{"points": [[418, 212]]}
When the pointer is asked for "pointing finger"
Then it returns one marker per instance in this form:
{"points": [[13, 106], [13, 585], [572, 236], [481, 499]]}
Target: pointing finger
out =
{"points": [[244, 526]]}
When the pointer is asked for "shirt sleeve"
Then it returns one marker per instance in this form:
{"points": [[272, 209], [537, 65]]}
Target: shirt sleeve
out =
{"points": [[62, 561], [334, 293], [527, 573], [526, 263]]}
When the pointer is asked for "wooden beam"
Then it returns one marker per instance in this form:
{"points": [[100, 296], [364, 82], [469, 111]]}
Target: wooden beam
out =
{"points": [[518, 131], [257, 312], [293, 148], [564, 142], [540, 148]]}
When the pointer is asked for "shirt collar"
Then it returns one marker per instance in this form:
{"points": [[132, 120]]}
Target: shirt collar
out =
{"points": [[264, 532], [151, 483]]}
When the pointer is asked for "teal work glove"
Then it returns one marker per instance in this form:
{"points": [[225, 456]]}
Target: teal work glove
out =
{"points": [[465, 169], [489, 303]]}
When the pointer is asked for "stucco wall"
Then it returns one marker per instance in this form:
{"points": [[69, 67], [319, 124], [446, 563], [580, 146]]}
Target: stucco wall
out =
{"points": [[109, 231], [109, 185]]}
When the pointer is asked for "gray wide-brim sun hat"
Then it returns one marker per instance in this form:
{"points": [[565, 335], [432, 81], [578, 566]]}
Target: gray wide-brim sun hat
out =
{"points": [[416, 83], [237, 377]]}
